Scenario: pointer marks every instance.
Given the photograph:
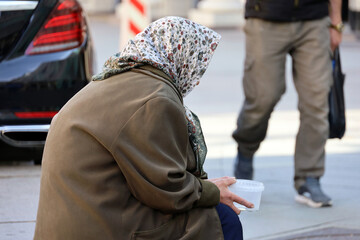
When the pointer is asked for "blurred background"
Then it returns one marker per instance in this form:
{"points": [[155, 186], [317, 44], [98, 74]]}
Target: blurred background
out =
{"points": [[39, 73]]}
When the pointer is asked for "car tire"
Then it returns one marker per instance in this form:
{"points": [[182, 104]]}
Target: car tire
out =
{"points": [[37, 156]]}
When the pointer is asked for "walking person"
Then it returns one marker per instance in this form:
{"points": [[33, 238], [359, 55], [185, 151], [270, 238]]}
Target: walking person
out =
{"points": [[124, 158], [308, 31]]}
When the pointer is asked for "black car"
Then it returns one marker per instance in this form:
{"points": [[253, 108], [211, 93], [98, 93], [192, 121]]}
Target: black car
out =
{"points": [[46, 56]]}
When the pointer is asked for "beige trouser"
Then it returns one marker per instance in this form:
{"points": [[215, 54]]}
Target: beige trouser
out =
{"points": [[267, 45]]}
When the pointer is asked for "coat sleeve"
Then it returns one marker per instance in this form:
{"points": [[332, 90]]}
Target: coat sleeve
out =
{"points": [[151, 151]]}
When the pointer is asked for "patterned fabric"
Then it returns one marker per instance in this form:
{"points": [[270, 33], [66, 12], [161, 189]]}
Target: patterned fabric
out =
{"points": [[197, 142], [181, 49], [177, 46]]}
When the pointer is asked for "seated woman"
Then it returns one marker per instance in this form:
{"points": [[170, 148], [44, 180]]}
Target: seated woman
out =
{"points": [[124, 158]]}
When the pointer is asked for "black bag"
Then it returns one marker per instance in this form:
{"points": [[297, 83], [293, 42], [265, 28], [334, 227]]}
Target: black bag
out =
{"points": [[336, 100]]}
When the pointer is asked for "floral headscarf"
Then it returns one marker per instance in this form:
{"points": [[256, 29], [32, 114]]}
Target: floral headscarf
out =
{"points": [[181, 49]]}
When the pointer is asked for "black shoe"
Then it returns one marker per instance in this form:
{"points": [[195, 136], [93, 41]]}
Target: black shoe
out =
{"points": [[243, 167], [311, 194]]}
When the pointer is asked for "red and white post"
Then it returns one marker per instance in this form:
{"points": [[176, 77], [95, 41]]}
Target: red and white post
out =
{"points": [[134, 17]]}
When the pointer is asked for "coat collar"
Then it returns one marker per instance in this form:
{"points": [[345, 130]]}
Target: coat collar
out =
{"points": [[160, 75]]}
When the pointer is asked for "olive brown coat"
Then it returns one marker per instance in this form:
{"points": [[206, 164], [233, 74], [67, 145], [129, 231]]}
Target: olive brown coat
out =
{"points": [[118, 164]]}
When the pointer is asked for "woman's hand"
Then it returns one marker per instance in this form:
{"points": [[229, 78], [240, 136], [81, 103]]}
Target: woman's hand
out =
{"points": [[226, 196]]}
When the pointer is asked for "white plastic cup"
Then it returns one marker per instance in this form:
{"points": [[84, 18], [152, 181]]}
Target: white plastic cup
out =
{"points": [[248, 190]]}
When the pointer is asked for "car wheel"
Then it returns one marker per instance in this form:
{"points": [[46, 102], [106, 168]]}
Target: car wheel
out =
{"points": [[37, 156]]}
